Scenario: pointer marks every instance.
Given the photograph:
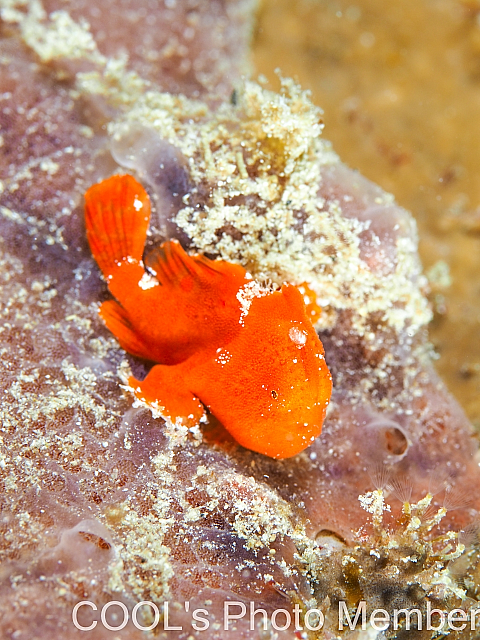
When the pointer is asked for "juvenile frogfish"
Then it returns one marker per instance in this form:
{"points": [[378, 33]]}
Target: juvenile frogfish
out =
{"points": [[223, 342]]}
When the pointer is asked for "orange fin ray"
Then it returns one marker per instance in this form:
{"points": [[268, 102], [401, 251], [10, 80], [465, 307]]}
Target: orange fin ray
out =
{"points": [[117, 320], [117, 214], [171, 265], [165, 393], [169, 262]]}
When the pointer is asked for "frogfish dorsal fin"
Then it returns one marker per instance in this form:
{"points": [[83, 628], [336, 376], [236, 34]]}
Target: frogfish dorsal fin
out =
{"points": [[173, 267]]}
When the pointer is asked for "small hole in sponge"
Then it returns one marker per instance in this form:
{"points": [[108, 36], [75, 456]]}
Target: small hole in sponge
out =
{"points": [[395, 441], [329, 540], [327, 533]]}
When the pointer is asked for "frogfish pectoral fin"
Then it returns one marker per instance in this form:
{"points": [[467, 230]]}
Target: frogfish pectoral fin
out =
{"points": [[164, 392]]}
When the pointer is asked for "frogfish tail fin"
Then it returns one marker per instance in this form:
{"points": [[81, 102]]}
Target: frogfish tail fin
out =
{"points": [[117, 214]]}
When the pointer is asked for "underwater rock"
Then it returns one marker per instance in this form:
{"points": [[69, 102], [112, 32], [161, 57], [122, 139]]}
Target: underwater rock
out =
{"points": [[100, 501]]}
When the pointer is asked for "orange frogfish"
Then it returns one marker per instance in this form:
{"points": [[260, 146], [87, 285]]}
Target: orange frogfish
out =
{"points": [[222, 341]]}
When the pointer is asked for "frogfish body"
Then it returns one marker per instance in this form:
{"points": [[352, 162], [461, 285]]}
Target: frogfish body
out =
{"points": [[222, 341]]}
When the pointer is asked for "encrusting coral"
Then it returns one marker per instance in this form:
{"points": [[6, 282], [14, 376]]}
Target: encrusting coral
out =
{"points": [[102, 502]]}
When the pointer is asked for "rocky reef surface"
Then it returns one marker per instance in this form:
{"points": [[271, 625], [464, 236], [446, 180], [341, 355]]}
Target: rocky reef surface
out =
{"points": [[100, 501]]}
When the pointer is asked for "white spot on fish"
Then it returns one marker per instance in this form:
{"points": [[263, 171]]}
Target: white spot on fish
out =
{"points": [[147, 282], [223, 357], [247, 293], [298, 337], [138, 204]]}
